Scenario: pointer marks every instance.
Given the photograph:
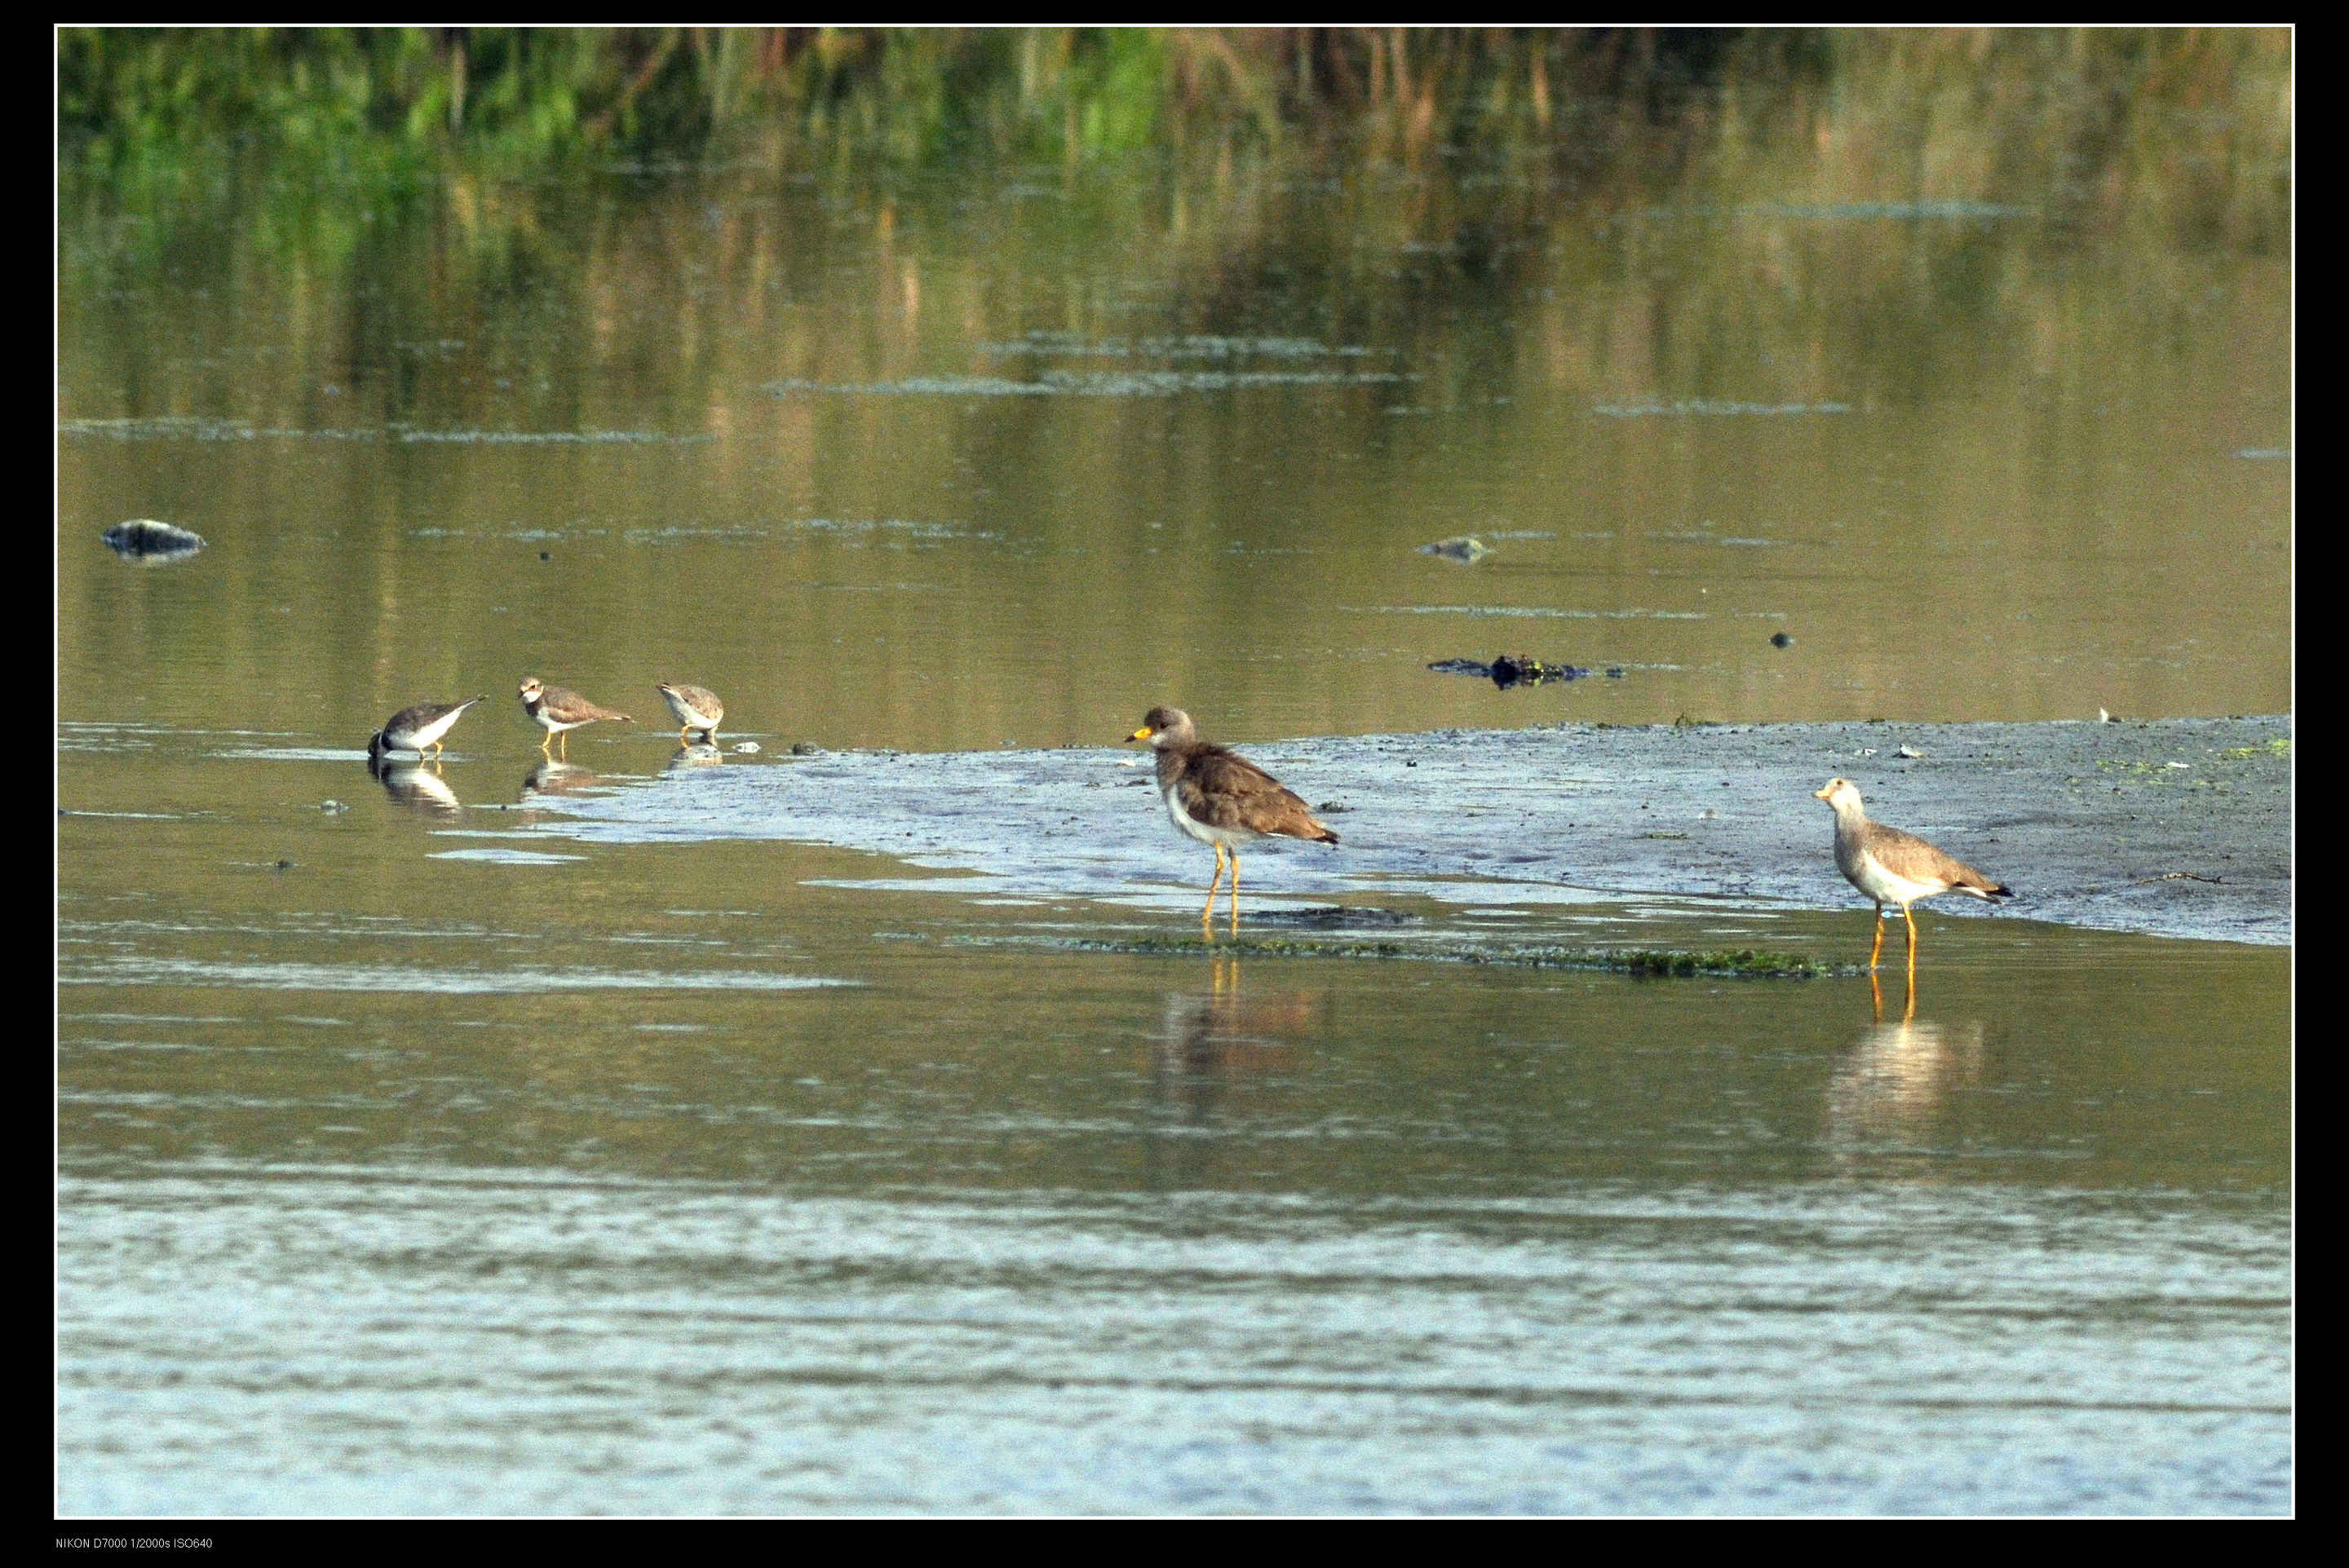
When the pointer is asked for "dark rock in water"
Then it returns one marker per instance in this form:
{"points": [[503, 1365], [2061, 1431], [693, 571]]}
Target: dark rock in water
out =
{"points": [[1460, 547], [1780, 639], [1511, 669], [144, 539]]}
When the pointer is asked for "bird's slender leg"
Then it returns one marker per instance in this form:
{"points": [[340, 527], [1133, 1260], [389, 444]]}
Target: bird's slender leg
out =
{"points": [[1875, 995], [1207, 913], [1912, 945], [547, 745], [1879, 948], [1236, 892], [1908, 1014], [564, 737]]}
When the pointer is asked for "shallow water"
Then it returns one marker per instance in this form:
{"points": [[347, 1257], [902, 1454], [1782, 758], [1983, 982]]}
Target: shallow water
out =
{"points": [[674, 1174], [634, 1134]]}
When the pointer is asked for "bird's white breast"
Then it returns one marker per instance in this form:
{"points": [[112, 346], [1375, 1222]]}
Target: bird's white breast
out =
{"points": [[1876, 882], [1230, 837]]}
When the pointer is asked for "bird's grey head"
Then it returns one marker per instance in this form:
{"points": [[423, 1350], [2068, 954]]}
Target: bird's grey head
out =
{"points": [[1164, 727]]}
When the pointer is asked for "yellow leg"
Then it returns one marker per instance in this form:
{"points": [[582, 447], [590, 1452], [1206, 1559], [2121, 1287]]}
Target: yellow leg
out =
{"points": [[1912, 945], [1208, 914], [547, 745], [1236, 892], [1876, 996], [1879, 948]]}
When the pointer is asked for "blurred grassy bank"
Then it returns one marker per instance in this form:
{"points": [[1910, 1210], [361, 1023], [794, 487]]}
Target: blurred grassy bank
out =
{"points": [[2203, 114]]}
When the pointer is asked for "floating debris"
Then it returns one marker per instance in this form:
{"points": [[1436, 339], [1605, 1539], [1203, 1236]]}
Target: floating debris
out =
{"points": [[749, 747], [144, 539], [1460, 547], [1907, 750], [1512, 669], [1780, 639]]}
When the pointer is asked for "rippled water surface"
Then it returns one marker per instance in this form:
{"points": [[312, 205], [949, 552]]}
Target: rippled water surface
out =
{"points": [[698, 1176]]}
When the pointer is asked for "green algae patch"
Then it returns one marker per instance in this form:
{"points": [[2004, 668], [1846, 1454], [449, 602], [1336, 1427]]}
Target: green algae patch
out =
{"points": [[1742, 964]]}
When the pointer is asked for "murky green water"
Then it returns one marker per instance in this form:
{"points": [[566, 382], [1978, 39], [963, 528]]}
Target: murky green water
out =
{"points": [[425, 1154]]}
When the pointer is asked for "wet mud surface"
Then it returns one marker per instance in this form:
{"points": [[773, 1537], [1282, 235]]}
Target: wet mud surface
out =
{"points": [[2174, 828]]}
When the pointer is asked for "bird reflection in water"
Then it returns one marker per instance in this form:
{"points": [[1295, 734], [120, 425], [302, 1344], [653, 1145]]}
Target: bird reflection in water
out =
{"points": [[1221, 1031], [1209, 1045], [417, 786], [1894, 1080], [699, 754], [557, 778], [1876, 993]]}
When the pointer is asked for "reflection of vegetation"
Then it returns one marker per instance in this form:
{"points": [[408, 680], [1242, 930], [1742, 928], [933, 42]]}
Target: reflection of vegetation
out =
{"points": [[1870, 217], [1471, 142], [917, 95], [905, 93]]}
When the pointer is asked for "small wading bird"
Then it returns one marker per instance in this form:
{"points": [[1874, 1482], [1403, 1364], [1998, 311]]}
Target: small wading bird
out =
{"points": [[1221, 799], [414, 728], [697, 708], [1893, 867], [557, 710]]}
